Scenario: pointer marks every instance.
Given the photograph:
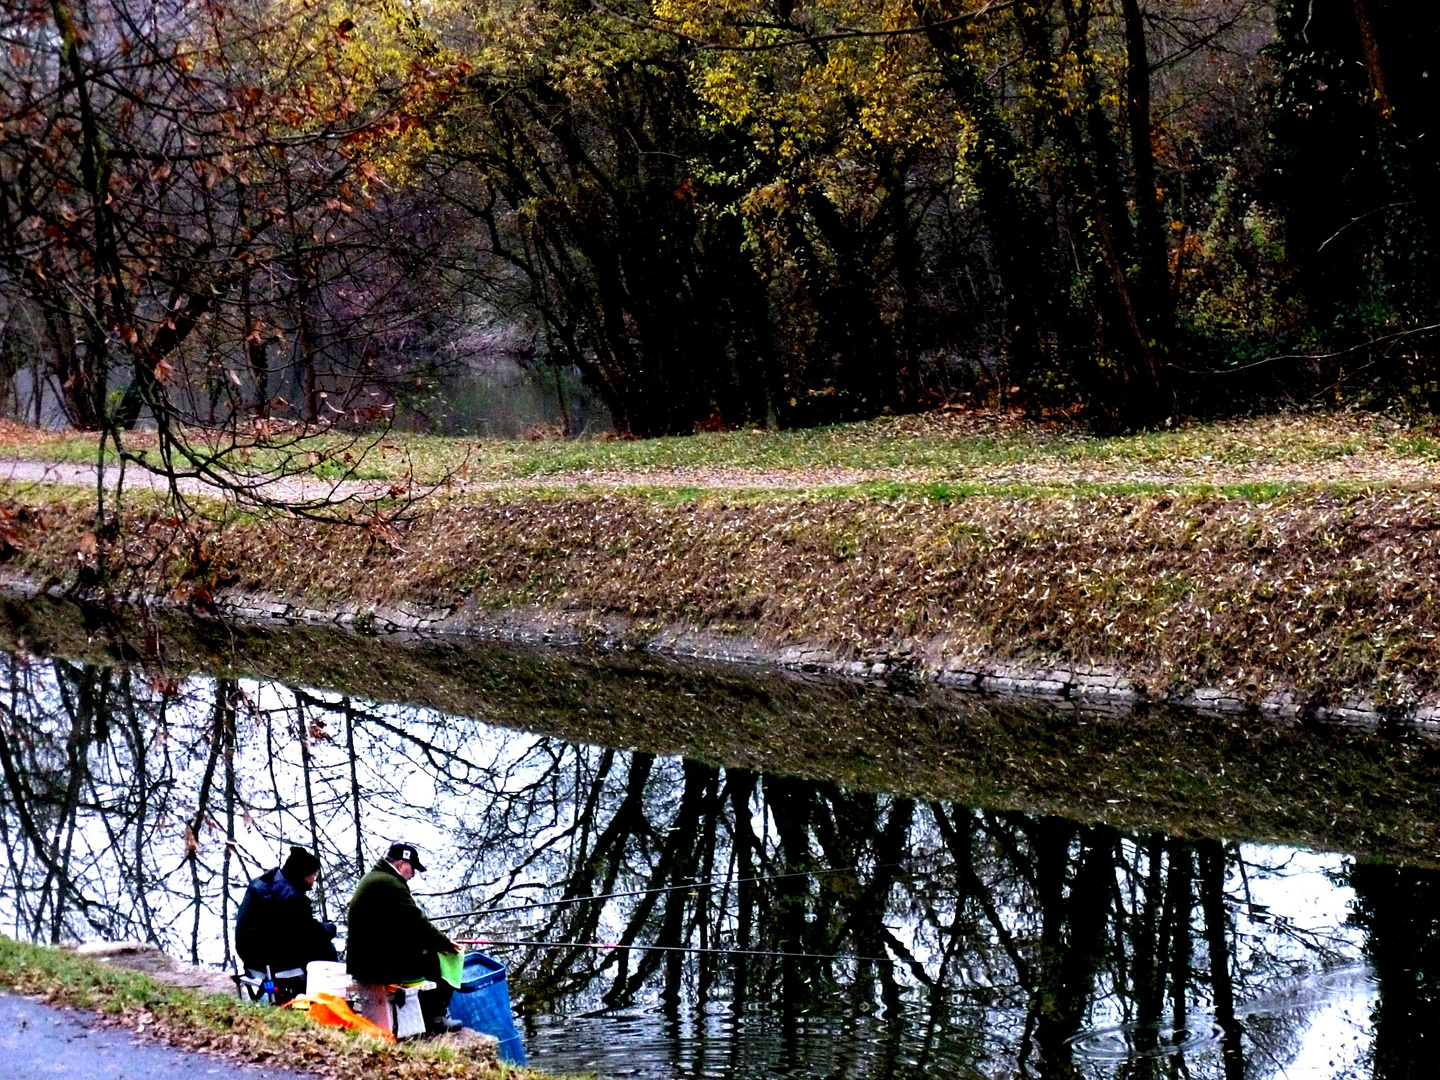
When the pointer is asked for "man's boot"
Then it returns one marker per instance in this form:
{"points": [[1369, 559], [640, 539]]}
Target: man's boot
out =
{"points": [[435, 1004], [444, 1024]]}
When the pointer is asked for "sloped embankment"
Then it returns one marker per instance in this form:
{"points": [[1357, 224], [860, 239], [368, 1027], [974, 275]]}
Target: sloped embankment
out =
{"points": [[1311, 597]]}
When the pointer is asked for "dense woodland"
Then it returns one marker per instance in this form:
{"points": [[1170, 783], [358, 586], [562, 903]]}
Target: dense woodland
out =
{"points": [[719, 212]]}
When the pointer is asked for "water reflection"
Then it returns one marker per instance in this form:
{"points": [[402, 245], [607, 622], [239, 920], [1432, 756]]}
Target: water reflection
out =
{"points": [[707, 921]]}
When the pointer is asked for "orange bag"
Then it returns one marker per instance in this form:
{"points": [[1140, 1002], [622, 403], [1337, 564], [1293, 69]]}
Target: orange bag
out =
{"points": [[331, 1010]]}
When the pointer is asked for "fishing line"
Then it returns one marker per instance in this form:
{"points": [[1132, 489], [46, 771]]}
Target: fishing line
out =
{"points": [[649, 892], [673, 948]]}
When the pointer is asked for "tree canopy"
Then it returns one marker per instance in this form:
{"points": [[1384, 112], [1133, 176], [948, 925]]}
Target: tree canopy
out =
{"points": [[719, 212]]}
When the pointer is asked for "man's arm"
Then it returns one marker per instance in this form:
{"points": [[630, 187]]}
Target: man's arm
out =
{"points": [[418, 928], [314, 931]]}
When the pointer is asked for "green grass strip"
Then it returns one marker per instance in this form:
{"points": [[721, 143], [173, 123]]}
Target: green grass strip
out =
{"points": [[192, 1020]]}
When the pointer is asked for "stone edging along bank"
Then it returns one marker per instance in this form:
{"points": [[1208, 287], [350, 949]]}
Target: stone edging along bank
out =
{"points": [[1090, 690], [1103, 690], [1316, 604]]}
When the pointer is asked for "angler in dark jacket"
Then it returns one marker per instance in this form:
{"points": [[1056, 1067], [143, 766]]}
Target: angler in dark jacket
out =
{"points": [[390, 940], [276, 926]]}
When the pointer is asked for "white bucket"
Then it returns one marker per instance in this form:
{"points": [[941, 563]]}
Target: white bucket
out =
{"points": [[327, 977]]}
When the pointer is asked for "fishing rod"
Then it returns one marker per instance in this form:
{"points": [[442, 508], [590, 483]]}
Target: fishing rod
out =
{"points": [[531, 905], [671, 948]]}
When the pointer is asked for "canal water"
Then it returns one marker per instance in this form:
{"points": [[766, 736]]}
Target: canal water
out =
{"points": [[667, 918]]}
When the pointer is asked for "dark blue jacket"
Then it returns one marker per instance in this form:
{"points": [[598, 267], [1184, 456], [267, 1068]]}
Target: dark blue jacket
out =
{"points": [[276, 926]]}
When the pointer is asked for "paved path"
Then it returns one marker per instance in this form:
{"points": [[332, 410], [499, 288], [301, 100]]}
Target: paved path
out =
{"points": [[37, 1041]]}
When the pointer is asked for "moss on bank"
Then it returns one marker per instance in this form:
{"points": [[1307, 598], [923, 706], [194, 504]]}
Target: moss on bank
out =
{"points": [[222, 1025]]}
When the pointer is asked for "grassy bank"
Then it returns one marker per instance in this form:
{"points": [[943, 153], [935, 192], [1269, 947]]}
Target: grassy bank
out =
{"points": [[958, 450], [1275, 554], [221, 1025], [1331, 593]]}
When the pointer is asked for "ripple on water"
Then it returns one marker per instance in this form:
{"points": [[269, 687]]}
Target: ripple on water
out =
{"points": [[1310, 990], [1131, 1042], [730, 1044]]}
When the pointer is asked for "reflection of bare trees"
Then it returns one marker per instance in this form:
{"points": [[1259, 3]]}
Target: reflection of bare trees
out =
{"points": [[57, 722], [1016, 933], [1212, 894], [1400, 911], [134, 807]]}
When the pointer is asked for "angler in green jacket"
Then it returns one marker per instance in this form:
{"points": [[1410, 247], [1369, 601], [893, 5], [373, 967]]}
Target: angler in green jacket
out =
{"points": [[391, 941]]}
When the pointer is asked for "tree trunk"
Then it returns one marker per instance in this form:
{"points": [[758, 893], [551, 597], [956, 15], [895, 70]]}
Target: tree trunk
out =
{"points": [[1158, 306], [1019, 241], [1374, 69], [305, 340], [255, 350], [1218, 945], [1140, 394]]}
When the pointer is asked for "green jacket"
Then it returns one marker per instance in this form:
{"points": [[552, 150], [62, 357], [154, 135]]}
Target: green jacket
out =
{"points": [[388, 933]]}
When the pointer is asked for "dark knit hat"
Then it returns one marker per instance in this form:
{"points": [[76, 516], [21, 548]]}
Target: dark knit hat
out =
{"points": [[300, 864]]}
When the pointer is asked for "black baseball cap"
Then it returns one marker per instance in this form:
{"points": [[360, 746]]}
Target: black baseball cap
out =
{"points": [[409, 852]]}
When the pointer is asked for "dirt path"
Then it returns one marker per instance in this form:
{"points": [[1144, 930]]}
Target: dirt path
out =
{"points": [[1368, 468], [1377, 468], [39, 1041], [293, 489], [296, 489]]}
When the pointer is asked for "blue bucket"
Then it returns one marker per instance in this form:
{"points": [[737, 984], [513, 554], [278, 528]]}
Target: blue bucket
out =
{"points": [[483, 1004]]}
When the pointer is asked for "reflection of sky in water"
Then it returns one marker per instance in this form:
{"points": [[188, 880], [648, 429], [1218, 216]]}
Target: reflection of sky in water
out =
{"points": [[495, 811], [1292, 907], [1298, 972], [1292, 938], [1335, 1038]]}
